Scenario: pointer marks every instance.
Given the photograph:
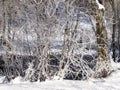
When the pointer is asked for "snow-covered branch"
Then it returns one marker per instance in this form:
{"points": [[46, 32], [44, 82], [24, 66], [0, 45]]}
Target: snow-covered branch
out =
{"points": [[100, 5]]}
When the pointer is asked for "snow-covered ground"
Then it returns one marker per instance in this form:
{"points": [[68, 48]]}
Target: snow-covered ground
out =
{"points": [[110, 83]]}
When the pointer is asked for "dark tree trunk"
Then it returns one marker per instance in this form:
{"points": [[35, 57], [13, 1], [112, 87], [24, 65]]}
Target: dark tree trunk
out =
{"points": [[112, 2]]}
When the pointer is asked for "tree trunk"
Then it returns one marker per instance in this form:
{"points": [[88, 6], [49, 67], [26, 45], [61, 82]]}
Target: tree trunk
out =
{"points": [[118, 25], [102, 68], [114, 28]]}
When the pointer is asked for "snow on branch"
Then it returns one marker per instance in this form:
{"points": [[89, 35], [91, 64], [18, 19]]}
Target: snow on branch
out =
{"points": [[100, 5], [37, 2]]}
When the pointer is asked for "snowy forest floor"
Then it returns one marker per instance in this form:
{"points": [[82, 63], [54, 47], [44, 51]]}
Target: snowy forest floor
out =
{"points": [[110, 83]]}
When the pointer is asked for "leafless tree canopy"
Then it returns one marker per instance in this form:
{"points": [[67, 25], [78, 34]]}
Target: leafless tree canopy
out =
{"points": [[42, 39]]}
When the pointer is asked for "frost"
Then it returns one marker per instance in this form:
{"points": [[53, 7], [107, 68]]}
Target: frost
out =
{"points": [[42, 34]]}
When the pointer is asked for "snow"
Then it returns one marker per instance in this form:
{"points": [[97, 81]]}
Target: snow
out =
{"points": [[1, 79], [100, 5], [110, 83]]}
